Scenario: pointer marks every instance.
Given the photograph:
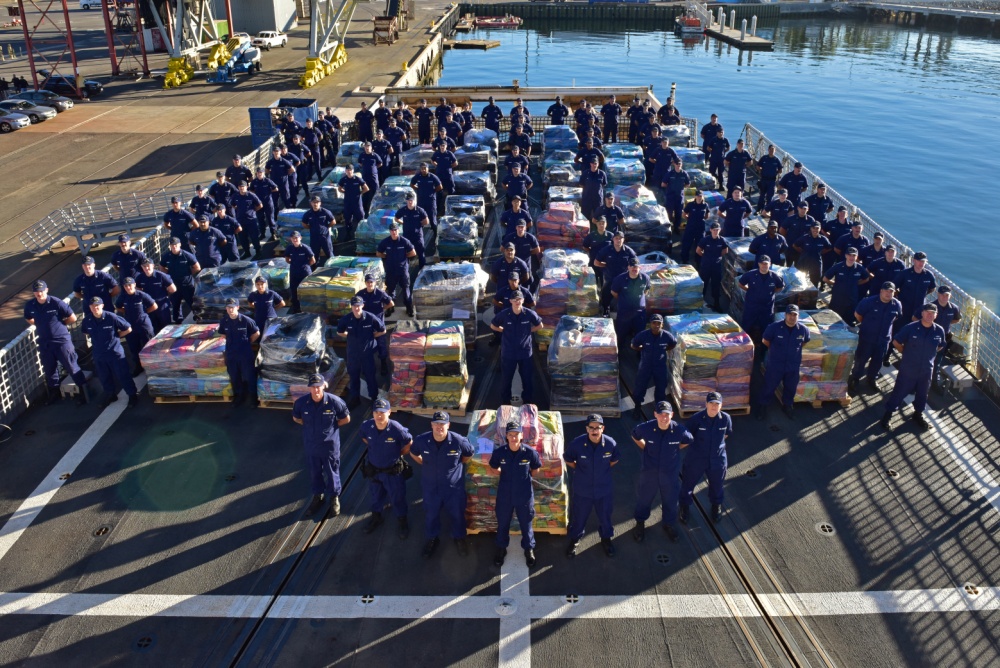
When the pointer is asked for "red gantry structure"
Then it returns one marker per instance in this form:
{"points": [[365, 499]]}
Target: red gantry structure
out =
{"points": [[48, 16]]}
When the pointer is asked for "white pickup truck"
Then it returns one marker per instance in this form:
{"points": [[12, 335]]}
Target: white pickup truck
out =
{"points": [[265, 39]]}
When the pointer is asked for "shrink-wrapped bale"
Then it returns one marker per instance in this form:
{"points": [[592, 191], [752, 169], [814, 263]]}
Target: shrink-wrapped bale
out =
{"points": [[288, 221], [293, 347], [564, 194], [674, 288], [679, 135], [475, 159], [647, 228], [333, 199], [186, 360], [406, 385], [712, 355], [373, 230], [275, 271], [562, 226], [798, 290], [457, 236], [409, 161], [328, 291], [625, 171], [474, 183], [466, 205], [827, 359], [622, 150], [366, 265], [558, 156], [568, 287], [633, 195], [583, 363], [561, 174], [446, 367], [392, 196], [214, 285], [702, 180], [449, 291], [483, 137], [691, 158], [349, 152], [559, 138]]}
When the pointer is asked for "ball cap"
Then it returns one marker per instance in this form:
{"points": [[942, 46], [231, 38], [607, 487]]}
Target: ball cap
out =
{"points": [[595, 417], [944, 289], [857, 223], [920, 255], [218, 174], [815, 223], [841, 208], [314, 198], [202, 218], [803, 205], [39, 285], [410, 196], [773, 224], [878, 235], [620, 233], [664, 407], [382, 406], [89, 260], [633, 262], [122, 238], [357, 301], [440, 417], [516, 198], [128, 281], [763, 258], [512, 427], [146, 261], [316, 380], [96, 301], [851, 250], [175, 241], [508, 246], [175, 200], [715, 226], [713, 398], [791, 308], [296, 235], [393, 226], [740, 188], [232, 301], [609, 195], [930, 307], [888, 285], [517, 297], [521, 223], [199, 188], [369, 277], [798, 164], [656, 317], [260, 279]]}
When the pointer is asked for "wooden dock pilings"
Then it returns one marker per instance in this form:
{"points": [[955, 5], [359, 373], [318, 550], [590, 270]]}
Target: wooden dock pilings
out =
{"points": [[654, 15]]}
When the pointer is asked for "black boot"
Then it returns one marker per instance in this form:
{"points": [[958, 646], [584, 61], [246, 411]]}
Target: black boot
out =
{"points": [[571, 549], [82, 398], [716, 512], [921, 422], [52, 396], [334, 508], [609, 547], [499, 556], [314, 504], [684, 514], [639, 532], [852, 386], [429, 547], [403, 529], [385, 367], [885, 422], [671, 532], [529, 557], [374, 522]]}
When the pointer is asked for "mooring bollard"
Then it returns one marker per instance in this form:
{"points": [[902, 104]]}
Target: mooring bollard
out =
{"points": [[743, 30], [753, 25]]}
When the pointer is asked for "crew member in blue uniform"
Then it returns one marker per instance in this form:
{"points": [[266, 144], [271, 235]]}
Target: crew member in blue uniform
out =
{"points": [[709, 131], [319, 221], [614, 215], [50, 316], [369, 166], [396, 251], [654, 345], [913, 285], [322, 416], [208, 243], [354, 189], [630, 289], [777, 210], [515, 157], [591, 456], [784, 341], [668, 115], [706, 456], [361, 329], [200, 204], [388, 442], [363, 123], [820, 204], [301, 260], [853, 239], [919, 342], [734, 211], [593, 181], [491, 115], [760, 285], [312, 138], [716, 150], [587, 152], [106, 329], [847, 278], [947, 315], [811, 247], [651, 152], [771, 244], [661, 441], [266, 190], [182, 266], [595, 242], [872, 252], [613, 260], [674, 182], [452, 128], [396, 137], [301, 160], [736, 163], [509, 264], [501, 299], [136, 306], [382, 115], [558, 112], [610, 110], [635, 115], [516, 184], [424, 114], [877, 314], [427, 187], [237, 171], [516, 325], [379, 304], [230, 227], [264, 302], [516, 464], [839, 230], [241, 333], [126, 260], [795, 183], [442, 454], [246, 208], [383, 148], [527, 249], [413, 219], [95, 283], [710, 250], [281, 170], [662, 159], [794, 226], [510, 218], [445, 163], [443, 138], [290, 127], [696, 214], [770, 171], [160, 287], [886, 268], [222, 190]]}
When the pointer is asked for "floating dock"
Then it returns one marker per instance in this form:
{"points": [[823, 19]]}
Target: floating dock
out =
{"points": [[481, 44]]}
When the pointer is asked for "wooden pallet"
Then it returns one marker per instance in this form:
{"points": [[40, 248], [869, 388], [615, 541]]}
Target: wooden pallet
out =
{"points": [[463, 405], [192, 399], [818, 403], [605, 411], [685, 414], [555, 531], [286, 404], [475, 257]]}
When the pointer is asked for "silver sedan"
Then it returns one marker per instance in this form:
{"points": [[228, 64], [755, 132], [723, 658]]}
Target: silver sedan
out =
{"points": [[10, 121], [45, 98], [35, 113]]}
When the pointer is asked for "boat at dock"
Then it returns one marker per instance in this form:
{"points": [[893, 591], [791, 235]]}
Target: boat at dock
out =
{"points": [[689, 24], [507, 21]]}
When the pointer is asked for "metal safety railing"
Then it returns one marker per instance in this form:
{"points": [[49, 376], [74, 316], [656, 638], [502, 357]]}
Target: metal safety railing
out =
{"points": [[979, 329]]}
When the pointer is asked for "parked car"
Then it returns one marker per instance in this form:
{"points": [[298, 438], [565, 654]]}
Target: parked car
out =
{"points": [[64, 87], [266, 39], [91, 87], [45, 98], [34, 113], [10, 121]]}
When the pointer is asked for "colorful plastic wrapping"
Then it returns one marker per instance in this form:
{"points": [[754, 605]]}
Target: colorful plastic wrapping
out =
{"points": [[391, 196], [798, 290], [541, 430], [349, 152], [275, 271], [674, 288], [625, 171], [691, 158], [466, 205], [475, 183], [409, 161], [568, 287], [583, 363], [292, 348], [828, 357], [472, 158], [702, 180], [564, 194], [562, 226], [622, 150], [429, 364], [559, 138], [712, 355], [449, 291], [186, 360], [366, 265], [406, 349], [483, 137], [328, 291], [272, 390], [214, 285], [288, 221], [679, 135], [633, 195], [556, 157], [333, 199], [457, 236], [647, 227], [373, 230]]}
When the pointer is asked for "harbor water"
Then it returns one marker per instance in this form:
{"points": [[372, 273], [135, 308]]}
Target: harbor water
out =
{"points": [[902, 121]]}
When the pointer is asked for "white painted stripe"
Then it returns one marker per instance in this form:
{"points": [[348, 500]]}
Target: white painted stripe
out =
{"points": [[515, 627], [33, 505], [977, 474], [515, 631]]}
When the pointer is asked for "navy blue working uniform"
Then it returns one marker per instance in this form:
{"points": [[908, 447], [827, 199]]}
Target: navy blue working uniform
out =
{"points": [[395, 136], [280, 171], [515, 494], [236, 173], [426, 186], [706, 455], [442, 477], [134, 307], [107, 352], [654, 363], [311, 137], [239, 353], [444, 165], [223, 192], [630, 317], [510, 218], [710, 267], [202, 205], [770, 168], [520, 140], [369, 165], [869, 254], [557, 113], [363, 122], [246, 213], [774, 247], [100, 284], [520, 159], [491, 116], [319, 223], [696, 213], [424, 116], [610, 111], [881, 271], [819, 206], [382, 115], [300, 155], [321, 438], [797, 226], [708, 132], [617, 263], [735, 214], [635, 116], [180, 221], [874, 335], [795, 184], [916, 369], [263, 304], [413, 230], [385, 449], [502, 268], [614, 215], [375, 302], [524, 246], [178, 266], [913, 289], [299, 266], [591, 486], [156, 285], [810, 258], [947, 315], [128, 263], [784, 360], [517, 186], [586, 155], [228, 226], [717, 147], [208, 246], [594, 243], [516, 351], [504, 293], [54, 343], [361, 349], [593, 184], [838, 230], [846, 292], [661, 468], [738, 163], [673, 192], [779, 211], [758, 300], [354, 205], [397, 267], [846, 241], [265, 189]]}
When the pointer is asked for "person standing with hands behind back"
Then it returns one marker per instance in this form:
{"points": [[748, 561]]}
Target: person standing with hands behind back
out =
{"points": [[515, 464]]}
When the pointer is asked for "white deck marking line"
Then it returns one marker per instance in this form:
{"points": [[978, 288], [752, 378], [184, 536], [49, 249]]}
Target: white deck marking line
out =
{"points": [[33, 505], [515, 627], [514, 608]]}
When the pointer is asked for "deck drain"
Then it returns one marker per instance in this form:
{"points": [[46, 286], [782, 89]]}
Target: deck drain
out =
{"points": [[145, 643], [30, 432], [572, 598], [102, 530], [515, 397], [893, 473], [65, 476], [230, 478], [752, 473], [662, 558], [366, 599], [506, 607], [971, 589], [825, 528]]}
